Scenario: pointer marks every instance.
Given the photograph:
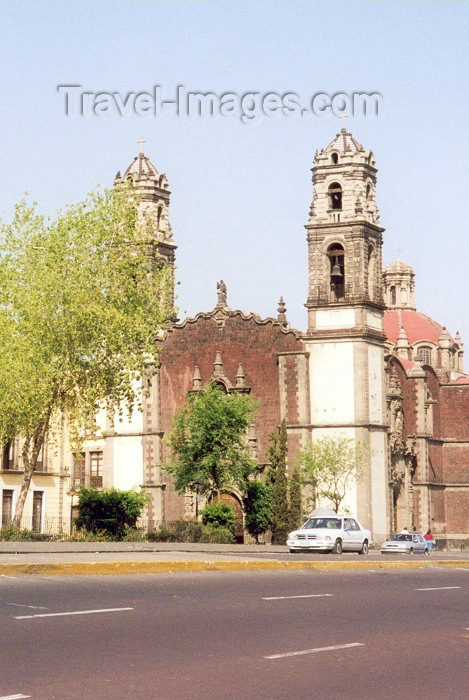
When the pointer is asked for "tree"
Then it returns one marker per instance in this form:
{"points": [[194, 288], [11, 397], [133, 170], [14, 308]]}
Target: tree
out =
{"points": [[331, 464], [82, 299], [208, 442], [257, 504], [295, 498], [277, 454], [110, 510]]}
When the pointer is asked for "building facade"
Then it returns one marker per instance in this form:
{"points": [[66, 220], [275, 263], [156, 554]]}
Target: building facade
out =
{"points": [[369, 366]]}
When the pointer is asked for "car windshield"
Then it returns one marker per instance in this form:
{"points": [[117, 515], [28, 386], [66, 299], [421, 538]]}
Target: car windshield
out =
{"points": [[329, 523], [401, 538]]}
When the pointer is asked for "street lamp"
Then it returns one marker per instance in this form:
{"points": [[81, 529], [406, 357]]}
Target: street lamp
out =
{"points": [[71, 492]]}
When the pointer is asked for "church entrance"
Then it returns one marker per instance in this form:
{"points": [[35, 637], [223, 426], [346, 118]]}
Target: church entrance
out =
{"points": [[234, 501]]}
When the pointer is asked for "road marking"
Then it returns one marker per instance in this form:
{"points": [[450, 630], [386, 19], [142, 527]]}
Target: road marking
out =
{"points": [[78, 612], [441, 588], [33, 607], [314, 651], [288, 597], [14, 697]]}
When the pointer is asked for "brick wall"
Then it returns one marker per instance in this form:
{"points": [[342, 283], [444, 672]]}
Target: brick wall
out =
{"points": [[240, 339]]}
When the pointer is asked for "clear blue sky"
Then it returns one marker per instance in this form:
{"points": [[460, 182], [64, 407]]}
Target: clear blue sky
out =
{"points": [[241, 192]]}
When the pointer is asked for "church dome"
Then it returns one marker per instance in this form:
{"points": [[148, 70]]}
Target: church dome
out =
{"points": [[344, 143], [417, 327], [141, 168], [398, 267]]}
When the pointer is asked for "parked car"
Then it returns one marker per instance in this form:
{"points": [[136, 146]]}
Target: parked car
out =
{"points": [[330, 534], [412, 543]]}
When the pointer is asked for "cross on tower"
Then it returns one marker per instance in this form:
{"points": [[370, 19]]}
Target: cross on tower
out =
{"points": [[343, 117], [398, 251], [141, 142]]}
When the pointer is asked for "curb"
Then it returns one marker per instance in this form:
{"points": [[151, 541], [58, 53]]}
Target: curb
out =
{"points": [[169, 567]]}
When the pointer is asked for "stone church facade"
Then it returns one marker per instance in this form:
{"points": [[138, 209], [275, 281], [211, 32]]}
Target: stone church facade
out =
{"points": [[369, 366]]}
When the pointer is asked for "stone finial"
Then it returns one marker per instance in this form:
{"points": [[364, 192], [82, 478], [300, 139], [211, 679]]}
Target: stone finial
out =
{"points": [[197, 380], [444, 339], [282, 312], [221, 293], [240, 377], [218, 365], [402, 345]]}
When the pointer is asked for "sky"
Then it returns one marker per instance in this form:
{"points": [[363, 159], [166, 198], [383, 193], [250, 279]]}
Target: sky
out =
{"points": [[241, 188]]}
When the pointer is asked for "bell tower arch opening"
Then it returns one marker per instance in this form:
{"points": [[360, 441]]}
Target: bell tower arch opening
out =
{"points": [[336, 256]]}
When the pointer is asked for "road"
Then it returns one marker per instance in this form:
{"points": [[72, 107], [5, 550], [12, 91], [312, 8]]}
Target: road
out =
{"points": [[368, 635]]}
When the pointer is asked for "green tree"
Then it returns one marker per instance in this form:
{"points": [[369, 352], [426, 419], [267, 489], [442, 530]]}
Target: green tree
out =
{"points": [[110, 510], [277, 454], [208, 442], [82, 299], [296, 517], [330, 465], [257, 504]]}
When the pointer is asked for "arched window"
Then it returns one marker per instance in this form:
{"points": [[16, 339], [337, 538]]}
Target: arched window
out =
{"points": [[158, 216], [393, 295], [335, 195], [424, 354], [335, 158], [335, 254]]}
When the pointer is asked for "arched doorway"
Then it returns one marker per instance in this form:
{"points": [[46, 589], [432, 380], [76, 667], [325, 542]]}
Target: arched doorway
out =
{"points": [[234, 501]]}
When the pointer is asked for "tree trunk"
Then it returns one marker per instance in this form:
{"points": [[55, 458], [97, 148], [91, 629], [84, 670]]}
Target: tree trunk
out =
{"points": [[30, 458]]}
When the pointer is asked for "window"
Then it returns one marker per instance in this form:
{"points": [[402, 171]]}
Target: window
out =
{"points": [[37, 510], [7, 506], [424, 354], [79, 469], [96, 468], [7, 456], [335, 158], [335, 196]]}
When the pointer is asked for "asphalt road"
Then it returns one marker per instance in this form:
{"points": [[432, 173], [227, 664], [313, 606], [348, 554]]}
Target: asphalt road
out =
{"points": [[368, 635]]}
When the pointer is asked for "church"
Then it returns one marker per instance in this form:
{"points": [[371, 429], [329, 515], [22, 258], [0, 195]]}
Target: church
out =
{"points": [[369, 366]]}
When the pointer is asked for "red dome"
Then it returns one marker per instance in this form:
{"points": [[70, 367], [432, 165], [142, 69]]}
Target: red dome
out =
{"points": [[417, 326]]}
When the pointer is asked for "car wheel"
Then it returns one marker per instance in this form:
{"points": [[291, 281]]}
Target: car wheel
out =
{"points": [[364, 549], [337, 548], [411, 550]]}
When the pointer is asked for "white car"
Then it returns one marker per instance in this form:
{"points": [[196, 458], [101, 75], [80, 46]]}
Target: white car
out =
{"points": [[405, 543], [334, 534]]}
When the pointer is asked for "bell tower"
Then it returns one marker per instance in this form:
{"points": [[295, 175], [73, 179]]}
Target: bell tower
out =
{"points": [[345, 336], [344, 234], [154, 203]]}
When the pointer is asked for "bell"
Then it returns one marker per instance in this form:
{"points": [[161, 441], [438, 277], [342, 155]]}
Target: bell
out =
{"points": [[336, 272]]}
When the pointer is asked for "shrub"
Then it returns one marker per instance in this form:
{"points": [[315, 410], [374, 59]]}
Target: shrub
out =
{"points": [[133, 534], [191, 531], [217, 535], [8, 532], [219, 515], [178, 531], [110, 511]]}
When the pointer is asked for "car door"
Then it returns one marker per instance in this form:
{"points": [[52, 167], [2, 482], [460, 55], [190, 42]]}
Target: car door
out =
{"points": [[352, 535]]}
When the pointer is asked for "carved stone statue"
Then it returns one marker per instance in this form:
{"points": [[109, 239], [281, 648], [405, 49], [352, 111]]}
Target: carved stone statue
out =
{"points": [[221, 291]]}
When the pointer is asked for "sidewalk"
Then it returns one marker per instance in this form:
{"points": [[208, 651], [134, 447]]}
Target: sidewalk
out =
{"points": [[169, 557]]}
